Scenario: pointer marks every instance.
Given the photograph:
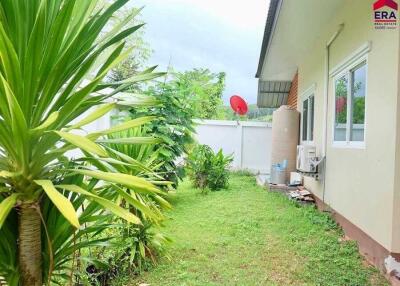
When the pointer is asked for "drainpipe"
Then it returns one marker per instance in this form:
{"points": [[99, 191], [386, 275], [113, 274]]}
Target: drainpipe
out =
{"points": [[326, 103]]}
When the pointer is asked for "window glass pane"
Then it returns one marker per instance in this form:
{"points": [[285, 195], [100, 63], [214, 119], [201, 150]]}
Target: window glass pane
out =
{"points": [[305, 119], [358, 103], [340, 108], [311, 100]]}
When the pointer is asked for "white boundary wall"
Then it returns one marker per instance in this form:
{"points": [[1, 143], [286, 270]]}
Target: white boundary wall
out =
{"points": [[248, 141]]}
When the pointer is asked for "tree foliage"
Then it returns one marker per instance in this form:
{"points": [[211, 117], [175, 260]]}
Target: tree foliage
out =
{"points": [[255, 114], [203, 90], [141, 50]]}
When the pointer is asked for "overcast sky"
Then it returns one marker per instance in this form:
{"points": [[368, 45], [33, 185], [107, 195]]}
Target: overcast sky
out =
{"points": [[222, 35]]}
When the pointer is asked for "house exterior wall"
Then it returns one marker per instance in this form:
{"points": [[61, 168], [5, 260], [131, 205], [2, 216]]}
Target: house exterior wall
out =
{"points": [[293, 93], [360, 183], [396, 195]]}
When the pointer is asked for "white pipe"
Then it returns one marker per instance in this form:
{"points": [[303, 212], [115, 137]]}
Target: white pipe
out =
{"points": [[341, 26], [326, 102], [326, 87]]}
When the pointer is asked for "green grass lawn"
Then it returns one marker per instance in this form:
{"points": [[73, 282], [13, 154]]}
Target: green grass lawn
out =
{"points": [[247, 236]]}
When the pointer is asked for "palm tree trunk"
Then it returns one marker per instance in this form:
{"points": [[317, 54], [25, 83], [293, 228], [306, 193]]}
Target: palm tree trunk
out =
{"points": [[30, 257]]}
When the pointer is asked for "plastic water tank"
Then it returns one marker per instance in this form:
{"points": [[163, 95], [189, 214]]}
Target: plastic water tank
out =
{"points": [[285, 137]]}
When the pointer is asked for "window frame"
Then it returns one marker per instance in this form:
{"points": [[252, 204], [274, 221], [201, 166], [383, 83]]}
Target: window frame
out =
{"points": [[347, 70], [306, 95]]}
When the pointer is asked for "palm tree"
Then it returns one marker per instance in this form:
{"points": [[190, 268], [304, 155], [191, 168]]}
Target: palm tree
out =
{"points": [[54, 55]]}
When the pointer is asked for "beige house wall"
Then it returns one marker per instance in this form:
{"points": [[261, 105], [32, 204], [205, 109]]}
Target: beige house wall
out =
{"points": [[360, 183], [396, 197]]}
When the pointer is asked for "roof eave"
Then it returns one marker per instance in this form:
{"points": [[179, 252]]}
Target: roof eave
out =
{"points": [[272, 14]]}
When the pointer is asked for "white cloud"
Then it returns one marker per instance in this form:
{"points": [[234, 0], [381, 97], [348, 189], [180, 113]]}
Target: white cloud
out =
{"points": [[239, 14], [221, 35]]}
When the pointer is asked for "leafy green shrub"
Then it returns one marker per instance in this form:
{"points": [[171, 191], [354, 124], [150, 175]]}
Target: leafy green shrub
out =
{"points": [[173, 124], [129, 251], [208, 169]]}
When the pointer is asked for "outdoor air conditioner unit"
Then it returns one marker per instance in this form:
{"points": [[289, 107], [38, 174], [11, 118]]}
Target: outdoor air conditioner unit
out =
{"points": [[306, 159]]}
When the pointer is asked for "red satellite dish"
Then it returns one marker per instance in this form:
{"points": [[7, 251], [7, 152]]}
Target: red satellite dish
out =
{"points": [[238, 105]]}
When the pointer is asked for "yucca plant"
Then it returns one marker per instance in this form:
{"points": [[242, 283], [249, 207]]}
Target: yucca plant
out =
{"points": [[69, 246], [54, 55], [115, 248], [144, 161], [143, 241]]}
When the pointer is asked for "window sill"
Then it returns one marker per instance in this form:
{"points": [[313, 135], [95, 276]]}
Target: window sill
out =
{"points": [[348, 145], [308, 143]]}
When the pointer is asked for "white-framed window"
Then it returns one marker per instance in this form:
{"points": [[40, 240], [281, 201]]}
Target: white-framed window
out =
{"points": [[350, 89], [307, 115]]}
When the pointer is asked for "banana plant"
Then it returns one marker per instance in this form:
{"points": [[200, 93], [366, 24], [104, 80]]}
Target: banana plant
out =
{"points": [[54, 56]]}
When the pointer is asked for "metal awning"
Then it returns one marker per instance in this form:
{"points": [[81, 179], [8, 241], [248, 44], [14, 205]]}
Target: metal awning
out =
{"points": [[273, 94]]}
